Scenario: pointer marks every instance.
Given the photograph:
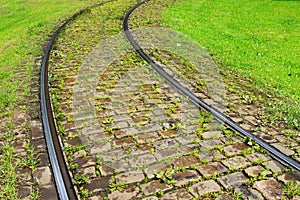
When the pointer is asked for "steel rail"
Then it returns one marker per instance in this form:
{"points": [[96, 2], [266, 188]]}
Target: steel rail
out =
{"points": [[63, 181], [220, 116]]}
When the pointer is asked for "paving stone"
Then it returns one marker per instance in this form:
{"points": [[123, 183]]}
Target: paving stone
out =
{"points": [[232, 180], [251, 119], [225, 197], [106, 170], [119, 165], [130, 177], [186, 139], [189, 129], [48, 192], [236, 162], [204, 187], [43, 175], [86, 161], [163, 144], [24, 192], [151, 128], [255, 171], [37, 132], [142, 160], [184, 177], [210, 155], [257, 156], [38, 144], [274, 166], [166, 154], [126, 194], [210, 143], [123, 142], [151, 198], [147, 137], [25, 175], [270, 188], [105, 146], [212, 134], [181, 194], [247, 127], [95, 198], [267, 138], [235, 149], [140, 149], [154, 186], [249, 193], [185, 161], [151, 170], [88, 171], [131, 131], [237, 119], [120, 125], [291, 176], [283, 149], [211, 168], [167, 133], [97, 185]]}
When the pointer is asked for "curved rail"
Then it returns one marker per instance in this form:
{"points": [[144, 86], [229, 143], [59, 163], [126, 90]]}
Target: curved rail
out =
{"points": [[62, 178], [274, 152]]}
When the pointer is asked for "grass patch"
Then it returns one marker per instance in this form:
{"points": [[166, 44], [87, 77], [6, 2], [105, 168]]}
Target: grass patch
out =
{"points": [[257, 39], [24, 26]]}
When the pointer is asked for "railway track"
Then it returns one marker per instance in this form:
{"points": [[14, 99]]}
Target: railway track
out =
{"points": [[276, 153], [62, 176]]}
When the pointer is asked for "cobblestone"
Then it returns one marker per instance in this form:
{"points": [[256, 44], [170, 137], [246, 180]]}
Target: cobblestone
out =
{"points": [[270, 188], [236, 162], [154, 186], [255, 171], [130, 177], [182, 178], [181, 194], [204, 187], [211, 134], [249, 193], [234, 149], [232, 180], [291, 176], [142, 160], [186, 161], [283, 149], [212, 168], [274, 166], [126, 194], [43, 175]]}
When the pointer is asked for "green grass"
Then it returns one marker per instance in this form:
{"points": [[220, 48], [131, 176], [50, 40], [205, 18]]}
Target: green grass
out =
{"points": [[24, 30], [24, 26], [257, 39]]}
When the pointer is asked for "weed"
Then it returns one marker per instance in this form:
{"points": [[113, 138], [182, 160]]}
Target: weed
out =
{"points": [[80, 179], [117, 186], [292, 189], [237, 195]]}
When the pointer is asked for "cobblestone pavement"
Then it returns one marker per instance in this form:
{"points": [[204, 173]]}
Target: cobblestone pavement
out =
{"points": [[130, 135], [147, 141]]}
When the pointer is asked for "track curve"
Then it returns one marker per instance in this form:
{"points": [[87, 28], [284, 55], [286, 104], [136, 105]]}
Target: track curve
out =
{"points": [[63, 181], [220, 116]]}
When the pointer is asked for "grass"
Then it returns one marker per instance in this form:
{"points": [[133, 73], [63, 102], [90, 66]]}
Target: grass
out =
{"points": [[257, 39], [24, 26]]}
